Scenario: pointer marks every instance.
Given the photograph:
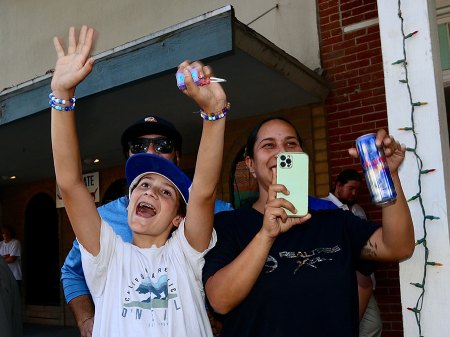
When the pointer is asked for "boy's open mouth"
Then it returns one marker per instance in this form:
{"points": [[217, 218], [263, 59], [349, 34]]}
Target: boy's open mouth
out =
{"points": [[146, 210]]}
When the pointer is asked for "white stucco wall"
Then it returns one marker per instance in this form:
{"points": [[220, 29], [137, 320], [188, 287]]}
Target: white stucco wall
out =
{"points": [[27, 27], [425, 79]]}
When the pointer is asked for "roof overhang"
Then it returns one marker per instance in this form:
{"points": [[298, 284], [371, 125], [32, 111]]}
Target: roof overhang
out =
{"points": [[137, 79]]}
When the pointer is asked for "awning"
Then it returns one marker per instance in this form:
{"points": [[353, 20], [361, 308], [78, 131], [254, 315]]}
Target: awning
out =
{"points": [[138, 78]]}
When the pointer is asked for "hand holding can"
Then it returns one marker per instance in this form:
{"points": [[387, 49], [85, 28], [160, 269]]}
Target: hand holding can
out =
{"points": [[376, 170]]}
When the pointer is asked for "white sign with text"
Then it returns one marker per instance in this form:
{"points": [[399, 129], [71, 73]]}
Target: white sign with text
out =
{"points": [[92, 184]]}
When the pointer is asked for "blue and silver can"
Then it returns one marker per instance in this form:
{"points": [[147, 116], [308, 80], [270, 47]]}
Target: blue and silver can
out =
{"points": [[376, 170]]}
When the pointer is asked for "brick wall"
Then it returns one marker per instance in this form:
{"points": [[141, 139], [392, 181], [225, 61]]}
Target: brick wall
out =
{"points": [[352, 63]]}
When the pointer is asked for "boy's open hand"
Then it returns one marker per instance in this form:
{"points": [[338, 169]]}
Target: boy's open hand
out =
{"points": [[72, 67]]}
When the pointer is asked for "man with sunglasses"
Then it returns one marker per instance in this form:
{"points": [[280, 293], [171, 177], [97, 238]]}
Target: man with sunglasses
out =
{"points": [[151, 134]]}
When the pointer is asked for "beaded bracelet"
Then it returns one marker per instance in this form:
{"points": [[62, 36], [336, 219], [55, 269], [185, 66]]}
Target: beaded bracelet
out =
{"points": [[62, 108], [60, 104], [215, 116], [61, 101]]}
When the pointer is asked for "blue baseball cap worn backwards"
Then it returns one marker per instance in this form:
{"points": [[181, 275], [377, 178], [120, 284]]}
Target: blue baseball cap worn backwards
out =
{"points": [[141, 164]]}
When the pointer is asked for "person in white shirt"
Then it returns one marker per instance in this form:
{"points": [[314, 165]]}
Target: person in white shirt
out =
{"points": [[345, 192], [344, 195], [10, 250]]}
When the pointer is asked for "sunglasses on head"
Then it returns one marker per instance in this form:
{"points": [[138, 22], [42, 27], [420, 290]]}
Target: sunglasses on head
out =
{"points": [[160, 144]]}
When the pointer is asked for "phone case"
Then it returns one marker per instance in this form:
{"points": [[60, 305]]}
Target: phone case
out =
{"points": [[292, 172]]}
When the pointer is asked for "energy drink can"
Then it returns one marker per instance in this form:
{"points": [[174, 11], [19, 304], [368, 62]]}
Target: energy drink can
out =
{"points": [[376, 170]]}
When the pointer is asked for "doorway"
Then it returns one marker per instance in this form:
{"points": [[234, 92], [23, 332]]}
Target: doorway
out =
{"points": [[41, 252]]}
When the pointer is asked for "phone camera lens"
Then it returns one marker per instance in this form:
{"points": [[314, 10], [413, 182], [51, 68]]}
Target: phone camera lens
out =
{"points": [[288, 161], [283, 164], [283, 157]]}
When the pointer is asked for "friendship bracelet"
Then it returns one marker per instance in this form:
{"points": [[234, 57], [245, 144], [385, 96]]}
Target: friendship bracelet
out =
{"points": [[61, 108], [60, 104], [217, 115], [59, 100]]}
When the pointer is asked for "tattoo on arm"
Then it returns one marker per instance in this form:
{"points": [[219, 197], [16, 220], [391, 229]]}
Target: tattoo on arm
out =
{"points": [[370, 249]]}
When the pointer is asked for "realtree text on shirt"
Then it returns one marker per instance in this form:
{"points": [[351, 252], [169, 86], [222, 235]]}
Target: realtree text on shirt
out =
{"points": [[147, 291]]}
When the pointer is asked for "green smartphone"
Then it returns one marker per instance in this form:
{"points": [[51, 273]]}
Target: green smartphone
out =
{"points": [[292, 172]]}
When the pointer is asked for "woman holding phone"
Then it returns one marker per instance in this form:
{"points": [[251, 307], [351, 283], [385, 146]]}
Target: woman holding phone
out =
{"points": [[274, 275]]}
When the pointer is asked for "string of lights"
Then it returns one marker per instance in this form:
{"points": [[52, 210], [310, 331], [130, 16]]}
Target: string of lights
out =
{"points": [[417, 309]]}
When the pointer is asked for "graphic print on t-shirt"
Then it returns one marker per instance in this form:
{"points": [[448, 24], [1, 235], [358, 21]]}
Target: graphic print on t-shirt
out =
{"points": [[150, 293], [309, 259]]}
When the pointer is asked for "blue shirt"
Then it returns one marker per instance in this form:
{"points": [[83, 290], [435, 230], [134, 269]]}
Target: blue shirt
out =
{"points": [[319, 204]]}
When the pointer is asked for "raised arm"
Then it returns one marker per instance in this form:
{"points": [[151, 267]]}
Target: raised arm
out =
{"points": [[71, 68], [200, 210], [394, 241]]}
